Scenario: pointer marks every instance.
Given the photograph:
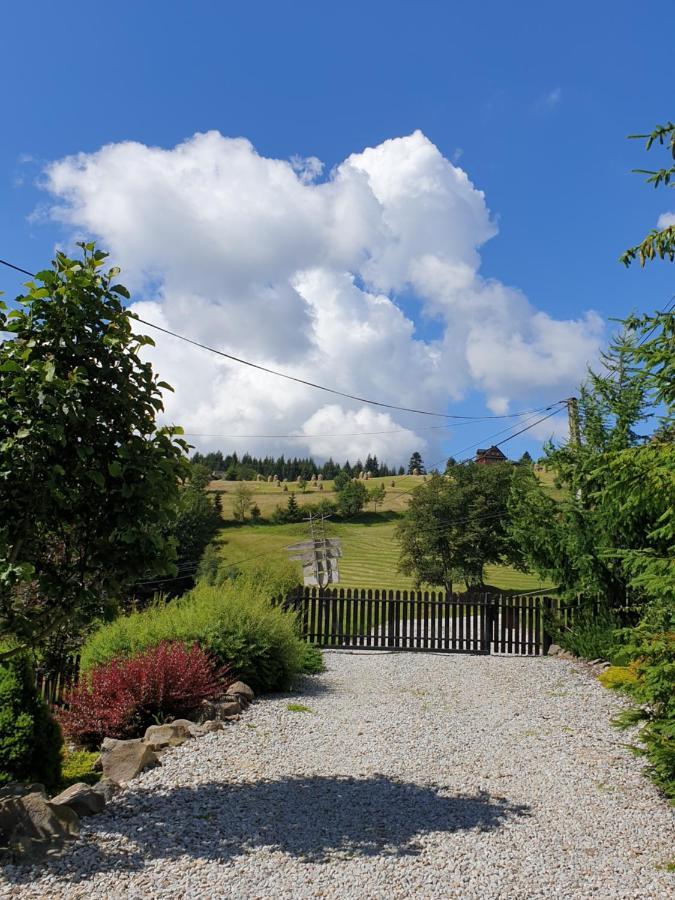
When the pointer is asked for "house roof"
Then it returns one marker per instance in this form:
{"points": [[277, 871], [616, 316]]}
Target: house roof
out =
{"points": [[493, 451]]}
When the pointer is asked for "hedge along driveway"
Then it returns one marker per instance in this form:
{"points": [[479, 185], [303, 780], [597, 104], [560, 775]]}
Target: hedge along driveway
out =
{"points": [[236, 622]]}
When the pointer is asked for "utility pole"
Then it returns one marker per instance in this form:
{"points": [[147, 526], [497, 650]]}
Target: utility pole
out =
{"points": [[318, 555], [573, 419], [575, 433]]}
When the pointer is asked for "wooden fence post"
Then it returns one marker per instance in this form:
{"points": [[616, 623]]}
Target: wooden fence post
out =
{"points": [[488, 622], [547, 640], [391, 623]]}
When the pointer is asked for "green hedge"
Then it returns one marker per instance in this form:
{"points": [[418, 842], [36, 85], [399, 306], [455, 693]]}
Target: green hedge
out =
{"points": [[235, 621], [592, 634], [650, 682], [30, 739]]}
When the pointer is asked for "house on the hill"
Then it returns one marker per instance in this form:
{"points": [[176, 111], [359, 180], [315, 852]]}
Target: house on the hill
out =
{"points": [[489, 456]]}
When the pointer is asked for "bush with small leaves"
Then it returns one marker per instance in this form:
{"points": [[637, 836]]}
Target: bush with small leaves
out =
{"points": [[234, 618], [121, 698], [30, 739], [651, 688]]}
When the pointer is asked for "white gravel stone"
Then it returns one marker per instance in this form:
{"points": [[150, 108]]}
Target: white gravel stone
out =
{"points": [[412, 775]]}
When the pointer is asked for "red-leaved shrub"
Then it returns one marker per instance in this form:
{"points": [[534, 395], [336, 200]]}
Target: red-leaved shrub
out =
{"points": [[123, 697]]}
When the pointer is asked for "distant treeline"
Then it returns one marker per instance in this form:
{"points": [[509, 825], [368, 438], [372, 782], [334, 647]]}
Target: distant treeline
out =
{"points": [[233, 467]]}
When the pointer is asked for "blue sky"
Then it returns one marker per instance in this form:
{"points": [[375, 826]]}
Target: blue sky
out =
{"points": [[532, 100]]}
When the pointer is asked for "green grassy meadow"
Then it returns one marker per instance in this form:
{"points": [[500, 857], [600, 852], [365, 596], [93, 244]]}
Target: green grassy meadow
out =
{"points": [[268, 496], [547, 480], [369, 546], [369, 552]]}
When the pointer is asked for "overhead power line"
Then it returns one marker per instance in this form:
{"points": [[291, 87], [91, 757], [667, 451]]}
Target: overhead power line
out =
{"points": [[16, 268], [305, 437], [308, 436], [294, 378], [490, 436], [321, 387]]}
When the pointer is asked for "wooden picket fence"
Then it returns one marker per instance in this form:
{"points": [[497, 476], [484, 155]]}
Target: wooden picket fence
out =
{"points": [[55, 686], [423, 620], [397, 620]]}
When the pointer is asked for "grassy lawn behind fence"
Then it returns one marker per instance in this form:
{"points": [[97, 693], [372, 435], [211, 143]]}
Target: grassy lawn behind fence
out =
{"points": [[369, 547]]}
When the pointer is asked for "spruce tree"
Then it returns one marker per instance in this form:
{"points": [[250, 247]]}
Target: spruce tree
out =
{"points": [[416, 463]]}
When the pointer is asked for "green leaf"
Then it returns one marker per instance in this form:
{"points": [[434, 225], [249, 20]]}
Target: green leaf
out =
{"points": [[97, 478], [50, 369], [115, 469], [121, 290]]}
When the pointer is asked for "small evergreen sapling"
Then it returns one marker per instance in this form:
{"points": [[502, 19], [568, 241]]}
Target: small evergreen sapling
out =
{"points": [[30, 739]]}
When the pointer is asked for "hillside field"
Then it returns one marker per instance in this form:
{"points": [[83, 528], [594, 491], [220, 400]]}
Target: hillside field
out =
{"points": [[369, 545], [398, 488], [369, 548], [268, 496]]}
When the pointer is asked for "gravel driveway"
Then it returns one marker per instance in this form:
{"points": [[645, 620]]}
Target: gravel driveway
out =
{"points": [[412, 775]]}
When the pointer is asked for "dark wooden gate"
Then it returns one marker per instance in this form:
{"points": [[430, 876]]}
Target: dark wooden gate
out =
{"points": [[420, 620]]}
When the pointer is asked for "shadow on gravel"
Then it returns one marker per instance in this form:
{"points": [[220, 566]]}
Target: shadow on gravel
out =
{"points": [[309, 818]]}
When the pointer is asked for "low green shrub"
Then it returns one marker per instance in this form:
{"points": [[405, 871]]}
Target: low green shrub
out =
{"points": [[30, 739], [652, 689], [78, 766], [298, 707], [122, 697], [312, 659], [619, 678], [236, 621], [592, 634]]}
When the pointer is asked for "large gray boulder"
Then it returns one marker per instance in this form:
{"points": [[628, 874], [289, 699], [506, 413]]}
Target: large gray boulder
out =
{"points": [[159, 737], [30, 825], [239, 689], [82, 799], [124, 760]]}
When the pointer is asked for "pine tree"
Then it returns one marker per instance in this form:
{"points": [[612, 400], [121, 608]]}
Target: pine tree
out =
{"points": [[293, 508], [416, 463]]}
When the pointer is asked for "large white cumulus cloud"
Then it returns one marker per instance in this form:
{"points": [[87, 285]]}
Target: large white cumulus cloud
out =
{"points": [[265, 259]]}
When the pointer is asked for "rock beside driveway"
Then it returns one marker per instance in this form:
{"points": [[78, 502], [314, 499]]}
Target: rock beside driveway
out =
{"points": [[207, 727], [241, 690], [30, 825], [159, 737], [82, 799], [106, 788], [218, 710], [124, 760]]}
